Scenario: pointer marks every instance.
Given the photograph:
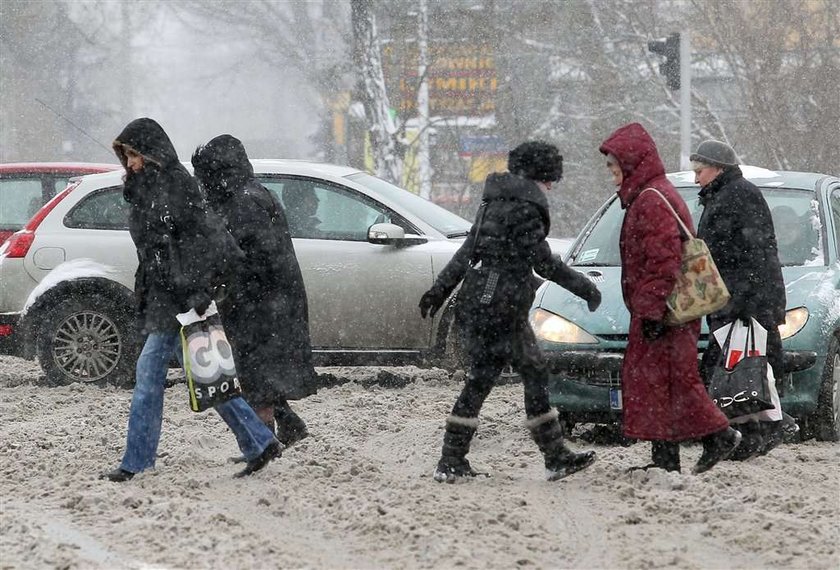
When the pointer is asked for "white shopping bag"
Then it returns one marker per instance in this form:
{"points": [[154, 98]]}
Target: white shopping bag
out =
{"points": [[737, 343]]}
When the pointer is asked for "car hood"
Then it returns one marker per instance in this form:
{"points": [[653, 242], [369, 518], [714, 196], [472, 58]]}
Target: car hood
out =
{"points": [[813, 287]]}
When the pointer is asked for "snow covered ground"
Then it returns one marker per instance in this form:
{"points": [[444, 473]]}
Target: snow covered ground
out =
{"points": [[358, 493]]}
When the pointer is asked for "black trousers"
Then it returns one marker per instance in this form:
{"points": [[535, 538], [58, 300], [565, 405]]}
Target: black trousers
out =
{"points": [[489, 353]]}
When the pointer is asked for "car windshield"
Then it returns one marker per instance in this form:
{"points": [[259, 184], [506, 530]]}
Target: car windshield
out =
{"points": [[795, 217], [444, 221]]}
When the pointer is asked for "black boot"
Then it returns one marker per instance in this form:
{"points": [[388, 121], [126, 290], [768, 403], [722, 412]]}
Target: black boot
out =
{"points": [[717, 447], [771, 436], [118, 475], [751, 441], [560, 461], [272, 451], [290, 427], [664, 454], [453, 463]]}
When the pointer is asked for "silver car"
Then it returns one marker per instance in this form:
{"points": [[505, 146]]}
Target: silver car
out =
{"points": [[66, 279]]}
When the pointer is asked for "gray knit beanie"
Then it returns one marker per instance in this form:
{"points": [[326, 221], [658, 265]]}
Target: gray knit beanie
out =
{"points": [[715, 153]]}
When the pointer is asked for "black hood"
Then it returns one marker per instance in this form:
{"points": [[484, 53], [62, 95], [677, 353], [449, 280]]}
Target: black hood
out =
{"points": [[148, 138], [507, 186], [222, 166]]}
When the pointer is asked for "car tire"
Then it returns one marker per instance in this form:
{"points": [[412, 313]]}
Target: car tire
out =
{"points": [[87, 339], [826, 420]]}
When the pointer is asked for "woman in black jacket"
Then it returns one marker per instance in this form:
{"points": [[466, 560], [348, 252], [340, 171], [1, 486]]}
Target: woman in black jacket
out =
{"points": [[496, 262], [265, 312], [169, 226]]}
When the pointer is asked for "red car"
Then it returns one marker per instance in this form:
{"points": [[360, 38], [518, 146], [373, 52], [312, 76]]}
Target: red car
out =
{"points": [[26, 186]]}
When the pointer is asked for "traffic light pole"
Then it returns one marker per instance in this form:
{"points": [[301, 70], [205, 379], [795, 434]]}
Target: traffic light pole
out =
{"points": [[685, 100]]}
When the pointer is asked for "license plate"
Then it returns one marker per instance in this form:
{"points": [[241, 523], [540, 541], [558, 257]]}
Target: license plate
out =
{"points": [[615, 398]]}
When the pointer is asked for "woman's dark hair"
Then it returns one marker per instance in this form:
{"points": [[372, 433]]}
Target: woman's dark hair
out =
{"points": [[536, 160]]}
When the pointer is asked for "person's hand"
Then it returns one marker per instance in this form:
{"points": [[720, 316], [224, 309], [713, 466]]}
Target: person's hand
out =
{"points": [[429, 304], [200, 302], [594, 300], [653, 330]]}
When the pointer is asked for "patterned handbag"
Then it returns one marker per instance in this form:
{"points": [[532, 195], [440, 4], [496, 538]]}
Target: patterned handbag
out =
{"points": [[699, 290]]}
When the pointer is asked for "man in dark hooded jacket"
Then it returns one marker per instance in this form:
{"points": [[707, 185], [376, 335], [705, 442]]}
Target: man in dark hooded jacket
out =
{"points": [[169, 226], [496, 262], [738, 229], [265, 312]]}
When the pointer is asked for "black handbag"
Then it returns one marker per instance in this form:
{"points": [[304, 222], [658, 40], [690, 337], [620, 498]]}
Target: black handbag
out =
{"points": [[742, 390]]}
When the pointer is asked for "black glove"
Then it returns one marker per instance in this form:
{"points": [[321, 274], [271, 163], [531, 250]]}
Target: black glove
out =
{"points": [[652, 330], [594, 300], [429, 304], [199, 302]]}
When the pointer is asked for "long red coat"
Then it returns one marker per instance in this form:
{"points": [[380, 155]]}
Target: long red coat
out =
{"points": [[663, 397]]}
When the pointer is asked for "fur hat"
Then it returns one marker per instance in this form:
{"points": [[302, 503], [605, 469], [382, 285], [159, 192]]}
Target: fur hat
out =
{"points": [[715, 153], [536, 160]]}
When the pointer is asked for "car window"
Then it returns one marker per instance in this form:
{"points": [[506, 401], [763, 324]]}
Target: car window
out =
{"points": [[317, 210], [102, 210], [795, 217], [601, 245], [60, 184], [20, 199], [444, 221]]}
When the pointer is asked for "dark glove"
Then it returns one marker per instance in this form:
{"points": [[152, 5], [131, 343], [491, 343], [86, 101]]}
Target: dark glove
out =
{"points": [[199, 302], [430, 303], [652, 330], [594, 300]]}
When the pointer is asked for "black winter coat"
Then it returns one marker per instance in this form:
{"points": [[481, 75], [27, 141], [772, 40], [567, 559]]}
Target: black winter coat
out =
{"points": [[737, 226], [265, 312], [508, 241], [169, 227]]}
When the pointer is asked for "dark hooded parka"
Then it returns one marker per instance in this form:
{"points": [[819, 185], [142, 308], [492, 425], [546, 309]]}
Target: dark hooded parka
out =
{"points": [[265, 312], [169, 227], [663, 397], [511, 226]]}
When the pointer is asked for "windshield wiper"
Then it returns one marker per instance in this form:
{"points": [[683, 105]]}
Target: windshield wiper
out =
{"points": [[462, 233]]}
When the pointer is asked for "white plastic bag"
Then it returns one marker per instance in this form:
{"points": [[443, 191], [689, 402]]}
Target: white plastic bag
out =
{"points": [[736, 352]]}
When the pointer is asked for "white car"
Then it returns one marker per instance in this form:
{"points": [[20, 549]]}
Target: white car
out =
{"points": [[66, 279]]}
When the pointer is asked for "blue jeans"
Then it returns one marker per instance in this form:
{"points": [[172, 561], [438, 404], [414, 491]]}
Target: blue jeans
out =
{"points": [[146, 414]]}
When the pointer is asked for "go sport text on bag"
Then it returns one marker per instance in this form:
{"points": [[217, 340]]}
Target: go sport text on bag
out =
{"points": [[699, 290], [208, 364], [743, 389]]}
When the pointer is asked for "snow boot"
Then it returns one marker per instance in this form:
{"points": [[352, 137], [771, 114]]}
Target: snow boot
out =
{"points": [[560, 461], [751, 441], [118, 475], [664, 455], [771, 435], [290, 427], [453, 464], [717, 447], [272, 451]]}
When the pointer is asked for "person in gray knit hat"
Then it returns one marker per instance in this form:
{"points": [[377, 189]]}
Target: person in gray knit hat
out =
{"points": [[715, 153], [738, 229]]}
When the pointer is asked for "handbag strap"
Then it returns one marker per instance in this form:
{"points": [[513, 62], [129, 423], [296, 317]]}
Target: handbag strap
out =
{"points": [[478, 220], [682, 225], [749, 342]]}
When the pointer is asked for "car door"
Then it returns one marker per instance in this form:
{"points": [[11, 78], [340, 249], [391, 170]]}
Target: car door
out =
{"points": [[361, 295]]}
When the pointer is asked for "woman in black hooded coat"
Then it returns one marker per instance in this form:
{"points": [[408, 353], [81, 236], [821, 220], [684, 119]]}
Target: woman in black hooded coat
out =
{"points": [[265, 312], [174, 238]]}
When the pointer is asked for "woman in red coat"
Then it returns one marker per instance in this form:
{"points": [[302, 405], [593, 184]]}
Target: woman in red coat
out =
{"points": [[664, 400]]}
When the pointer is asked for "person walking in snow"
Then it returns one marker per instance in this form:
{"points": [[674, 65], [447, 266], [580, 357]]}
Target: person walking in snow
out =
{"points": [[663, 399], [496, 262], [168, 224], [737, 226], [265, 312]]}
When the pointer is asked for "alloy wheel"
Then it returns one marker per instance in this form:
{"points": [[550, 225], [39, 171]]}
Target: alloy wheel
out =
{"points": [[87, 346]]}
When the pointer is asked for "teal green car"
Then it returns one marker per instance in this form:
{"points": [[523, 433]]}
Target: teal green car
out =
{"points": [[585, 350]]}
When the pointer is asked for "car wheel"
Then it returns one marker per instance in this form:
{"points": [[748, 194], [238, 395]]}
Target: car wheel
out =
{"points": [[827, 416], [87, 339]]}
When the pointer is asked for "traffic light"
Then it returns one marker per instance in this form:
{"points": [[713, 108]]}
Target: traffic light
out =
{"points": [[669, 48]]}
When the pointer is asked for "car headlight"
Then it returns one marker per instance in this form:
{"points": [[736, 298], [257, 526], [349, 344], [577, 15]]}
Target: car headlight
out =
{"points": [[795, 319], [554, 328]]}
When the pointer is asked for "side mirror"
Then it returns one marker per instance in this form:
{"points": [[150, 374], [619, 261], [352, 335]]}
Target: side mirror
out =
{"points": [[392, 234]]}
